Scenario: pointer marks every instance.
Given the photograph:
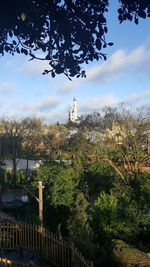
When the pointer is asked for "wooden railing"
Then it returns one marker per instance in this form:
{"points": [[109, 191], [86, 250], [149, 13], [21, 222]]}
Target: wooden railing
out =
{"points": [[43, 242]]}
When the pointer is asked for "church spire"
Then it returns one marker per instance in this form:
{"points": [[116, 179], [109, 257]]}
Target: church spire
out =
{"points": [[73, 114]]}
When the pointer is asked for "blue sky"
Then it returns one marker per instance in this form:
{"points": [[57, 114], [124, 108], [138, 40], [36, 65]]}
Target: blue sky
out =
{"points": [[124, 77]]}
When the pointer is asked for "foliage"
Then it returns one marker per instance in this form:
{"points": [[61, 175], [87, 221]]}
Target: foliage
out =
{"points": [[91, 121], [18, 139], [54, 139], [124, 214], [135, 210], [106, 222], [98, 122], [60, 30], [60, 183], [80, 232], [125, 147], [133, 10], [79, 147], [4, 178], [31, 138], [99, 177], [21, 177]]}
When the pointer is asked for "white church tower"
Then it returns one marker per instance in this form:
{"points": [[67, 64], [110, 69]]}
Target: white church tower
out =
{"points": [[73, 114]]}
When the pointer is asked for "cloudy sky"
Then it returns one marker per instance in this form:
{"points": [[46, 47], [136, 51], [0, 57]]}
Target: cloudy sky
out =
{"points": [[124, 77]]}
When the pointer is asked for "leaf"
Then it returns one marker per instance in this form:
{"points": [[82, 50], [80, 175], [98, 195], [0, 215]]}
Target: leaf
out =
{"points": [[110, 44], [136, 20], [120, 18], [17, 50], [53, 74], [1, 49], [46, 71], [48, 57], [102, 19], [120, 11], [44, 48], [55, 56], [105, 29], [129, 17], [25, 52], [7, 48], [23, 16], [142, 14], [59, 69], [14, 42], [104, 57], [98, 44], [75, 51]]}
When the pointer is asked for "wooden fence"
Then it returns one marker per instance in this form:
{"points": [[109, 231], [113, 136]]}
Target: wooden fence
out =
{"points": [[43, 242]]}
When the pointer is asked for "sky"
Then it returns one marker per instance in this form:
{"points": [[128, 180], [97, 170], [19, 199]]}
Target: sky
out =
{"points": [[124, 77]]}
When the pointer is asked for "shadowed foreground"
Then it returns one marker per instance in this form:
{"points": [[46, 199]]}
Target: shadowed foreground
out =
{"points": [[39, 241]]}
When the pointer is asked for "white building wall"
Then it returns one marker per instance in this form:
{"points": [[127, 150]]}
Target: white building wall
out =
{"points": [[22, 164], [73, 114]]}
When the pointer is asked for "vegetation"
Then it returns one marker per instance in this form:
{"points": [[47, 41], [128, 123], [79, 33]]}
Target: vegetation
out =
{"points": [[93, 184], [60, 32]]}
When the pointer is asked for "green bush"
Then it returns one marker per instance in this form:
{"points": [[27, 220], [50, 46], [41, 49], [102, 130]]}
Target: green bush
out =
{"points": [[99, 177], [105, 220]]}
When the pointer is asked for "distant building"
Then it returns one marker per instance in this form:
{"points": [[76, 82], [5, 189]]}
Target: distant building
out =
{"points": [[95, 137], [21, 164], [73, 113], [117, 133]]}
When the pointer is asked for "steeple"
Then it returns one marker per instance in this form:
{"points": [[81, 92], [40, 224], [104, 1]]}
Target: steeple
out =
{"points": [[73, 114]]}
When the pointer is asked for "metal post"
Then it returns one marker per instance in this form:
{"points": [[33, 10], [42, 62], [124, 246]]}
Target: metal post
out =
{"points": [[40, 187]]}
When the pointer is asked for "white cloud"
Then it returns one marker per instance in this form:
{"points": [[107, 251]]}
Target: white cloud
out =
{"points": [[45, 105], [137, 97], [53, 116], [117, 63], [49, 111], [35, 67], [120, 61], [97, 103], [6, 87], [68, 86], [52, 113], [58, 115], [49, 103]]}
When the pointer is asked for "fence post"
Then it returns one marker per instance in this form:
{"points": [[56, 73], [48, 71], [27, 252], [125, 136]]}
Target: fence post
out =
{"points": [[72, 254]]}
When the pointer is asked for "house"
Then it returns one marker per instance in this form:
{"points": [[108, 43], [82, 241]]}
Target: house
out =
{"points": [[21, 164]]}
